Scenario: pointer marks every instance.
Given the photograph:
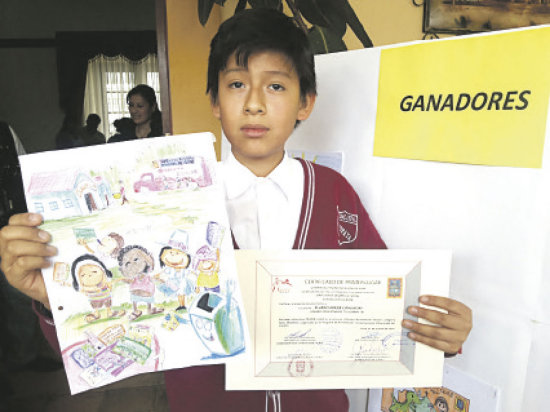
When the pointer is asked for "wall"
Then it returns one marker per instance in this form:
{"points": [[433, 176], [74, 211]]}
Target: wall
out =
{"points": [[386, 22], [188, 47], [28, 76]]}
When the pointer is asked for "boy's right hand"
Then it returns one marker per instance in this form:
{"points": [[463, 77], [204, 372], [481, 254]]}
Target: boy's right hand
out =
{"points": [[24, 251]]}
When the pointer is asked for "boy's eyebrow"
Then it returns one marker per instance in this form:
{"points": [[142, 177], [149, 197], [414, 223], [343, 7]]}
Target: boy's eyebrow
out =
{"points": [[271, 72]]}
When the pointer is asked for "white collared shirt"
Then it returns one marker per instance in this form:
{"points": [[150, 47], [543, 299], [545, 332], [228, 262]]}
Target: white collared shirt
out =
{"points": [[264, 212]]}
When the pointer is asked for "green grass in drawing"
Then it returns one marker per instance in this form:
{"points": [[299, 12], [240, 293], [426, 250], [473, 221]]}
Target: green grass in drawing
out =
{"points": [[77, 321]]}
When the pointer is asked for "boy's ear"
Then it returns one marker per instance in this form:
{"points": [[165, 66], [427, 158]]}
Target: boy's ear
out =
{"points": [[215, 107], [307, 106]]}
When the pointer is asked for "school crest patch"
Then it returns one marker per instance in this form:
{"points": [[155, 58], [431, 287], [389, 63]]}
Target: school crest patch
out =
{"points": [[347, 225]]}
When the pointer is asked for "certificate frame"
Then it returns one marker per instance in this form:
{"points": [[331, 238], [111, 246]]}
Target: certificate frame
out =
{"points": [[323, 319]]}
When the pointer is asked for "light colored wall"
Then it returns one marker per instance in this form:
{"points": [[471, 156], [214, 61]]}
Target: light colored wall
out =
{"points": [[28, 76], [386, 22], [188, 47]]}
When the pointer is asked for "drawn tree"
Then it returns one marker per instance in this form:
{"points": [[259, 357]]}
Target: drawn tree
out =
{"points": [[328, 20]]}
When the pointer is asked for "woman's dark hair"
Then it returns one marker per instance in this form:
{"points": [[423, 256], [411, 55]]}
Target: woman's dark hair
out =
{"points": [[258, 30], [148, 93]]}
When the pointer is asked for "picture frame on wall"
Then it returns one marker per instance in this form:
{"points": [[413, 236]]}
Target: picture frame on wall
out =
{"points": [[471, 16]]}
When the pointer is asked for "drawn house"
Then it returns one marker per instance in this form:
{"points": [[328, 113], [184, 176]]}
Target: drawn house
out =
{"points": [[61, 194]]}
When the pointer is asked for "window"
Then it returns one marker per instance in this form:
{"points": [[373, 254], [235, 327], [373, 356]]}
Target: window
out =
{"points": [[67, 203], [53, 205], [38, 207], [108, 81]]}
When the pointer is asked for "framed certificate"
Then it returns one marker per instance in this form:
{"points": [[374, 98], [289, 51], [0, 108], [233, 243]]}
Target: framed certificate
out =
{"points": [[332, 319]]}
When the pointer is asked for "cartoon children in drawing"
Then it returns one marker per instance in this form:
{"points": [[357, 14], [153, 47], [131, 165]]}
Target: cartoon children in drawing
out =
{"points": [[174, 261], [90, 276], [207, 259], [207, 267], [122, 191], [441, 404], [108, 248], [136, 264]]}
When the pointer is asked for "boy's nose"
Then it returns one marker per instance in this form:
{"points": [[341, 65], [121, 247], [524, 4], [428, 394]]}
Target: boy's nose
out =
{"points": [[254, 103]]}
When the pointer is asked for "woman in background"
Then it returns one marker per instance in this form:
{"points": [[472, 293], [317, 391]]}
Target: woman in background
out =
{"points": [[144, 112]]}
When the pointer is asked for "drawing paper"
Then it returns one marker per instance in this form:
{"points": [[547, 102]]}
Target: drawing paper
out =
{"points": [[145, 277]]}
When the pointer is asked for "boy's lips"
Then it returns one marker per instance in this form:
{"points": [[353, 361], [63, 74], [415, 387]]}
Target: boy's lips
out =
{"points": [[254, 130]]}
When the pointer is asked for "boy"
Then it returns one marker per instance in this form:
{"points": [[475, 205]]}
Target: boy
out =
{"points": [[261, 82]]}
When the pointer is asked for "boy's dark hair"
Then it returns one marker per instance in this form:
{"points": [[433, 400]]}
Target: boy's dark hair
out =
{"points": [[258, 30]]}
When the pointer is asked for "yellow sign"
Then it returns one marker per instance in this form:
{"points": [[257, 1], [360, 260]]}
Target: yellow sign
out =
{"points": [[479, 100]]}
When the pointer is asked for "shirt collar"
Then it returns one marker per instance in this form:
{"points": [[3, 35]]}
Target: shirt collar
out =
{"points": [[238, 178]]}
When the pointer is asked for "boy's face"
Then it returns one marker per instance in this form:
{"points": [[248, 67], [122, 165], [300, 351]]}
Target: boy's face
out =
{"points": [[258, 107]]}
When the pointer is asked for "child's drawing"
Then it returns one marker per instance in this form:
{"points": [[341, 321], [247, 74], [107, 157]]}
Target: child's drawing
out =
{"points": [[107, 248], [136, 264], [207, 258], [91, 277], [185, 172], [206, 267], [217, 321], [65, 193], [144, 268], [122, 193], [174, 261], [423, 400]]}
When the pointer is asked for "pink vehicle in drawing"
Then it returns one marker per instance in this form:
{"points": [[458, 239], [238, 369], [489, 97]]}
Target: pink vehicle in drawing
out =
{"points": [[185, 172], [154, 182]]}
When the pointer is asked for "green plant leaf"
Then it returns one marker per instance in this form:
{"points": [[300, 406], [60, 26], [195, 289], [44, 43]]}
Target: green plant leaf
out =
{"points": [[323, 40], [270, 4], [241, 5], [356, 26], [335, 15], [205, 7], [313, 13], [325, 13]]}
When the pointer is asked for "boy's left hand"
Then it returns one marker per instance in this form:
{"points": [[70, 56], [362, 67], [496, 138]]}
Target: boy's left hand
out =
{"points": [[450, 329]]}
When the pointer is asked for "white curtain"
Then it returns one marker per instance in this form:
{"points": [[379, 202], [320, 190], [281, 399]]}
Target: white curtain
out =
{"points": [[109, 79]]}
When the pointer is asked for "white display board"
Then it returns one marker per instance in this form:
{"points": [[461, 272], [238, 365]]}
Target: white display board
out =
{"points": [[495, 219]]}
